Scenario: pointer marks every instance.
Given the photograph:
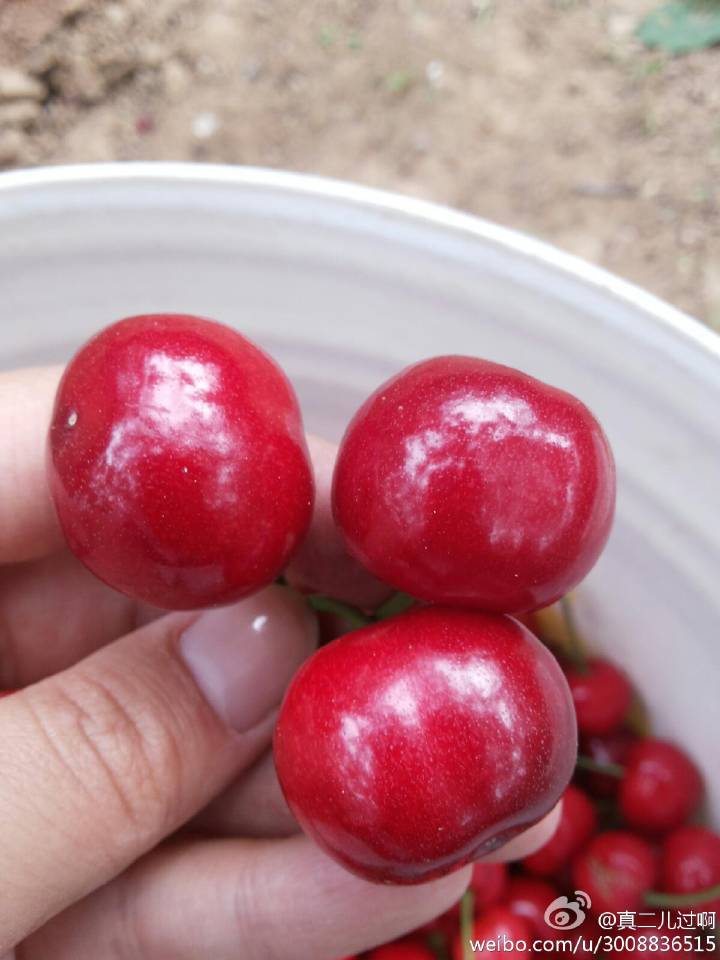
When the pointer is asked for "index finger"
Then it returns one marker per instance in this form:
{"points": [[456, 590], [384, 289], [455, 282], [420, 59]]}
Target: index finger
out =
{"points": [[28, 526]]}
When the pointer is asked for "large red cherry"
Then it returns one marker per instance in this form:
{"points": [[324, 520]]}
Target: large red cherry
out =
{"points": [[465, 482], [177, 461], [417, 744]]}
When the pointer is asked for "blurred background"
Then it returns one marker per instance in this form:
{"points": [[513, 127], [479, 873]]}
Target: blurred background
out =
{"points": [[594, 124]]}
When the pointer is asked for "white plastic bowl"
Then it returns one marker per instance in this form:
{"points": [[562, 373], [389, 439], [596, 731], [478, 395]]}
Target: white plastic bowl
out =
{"points": [[346, 285]]}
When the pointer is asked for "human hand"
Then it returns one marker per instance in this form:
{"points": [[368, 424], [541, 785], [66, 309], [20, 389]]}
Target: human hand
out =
{"points": [[133, 726]]}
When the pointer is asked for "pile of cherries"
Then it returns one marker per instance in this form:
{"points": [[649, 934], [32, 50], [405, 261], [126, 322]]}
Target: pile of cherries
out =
{"points": [[431, 735]]}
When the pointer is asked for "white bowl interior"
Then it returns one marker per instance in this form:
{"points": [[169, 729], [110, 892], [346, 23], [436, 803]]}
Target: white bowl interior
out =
{"points": [[344, 286]]}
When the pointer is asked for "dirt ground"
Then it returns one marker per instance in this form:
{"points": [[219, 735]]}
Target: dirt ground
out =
{"points": [[545, 115]]}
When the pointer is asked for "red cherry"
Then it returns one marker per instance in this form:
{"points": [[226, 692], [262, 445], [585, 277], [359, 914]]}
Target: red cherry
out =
{"points": [[402, 950], [496, 927], [177, 462], [578, 822], [609, 749], [661, 787], [616, 870], [465, 482], [602, 696], [488, 883], [422, 742], [443, 927], [690, 863], [529, 898]]}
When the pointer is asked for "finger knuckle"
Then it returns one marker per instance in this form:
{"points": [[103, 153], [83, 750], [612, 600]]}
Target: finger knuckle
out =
{"points": [[123, 755]]}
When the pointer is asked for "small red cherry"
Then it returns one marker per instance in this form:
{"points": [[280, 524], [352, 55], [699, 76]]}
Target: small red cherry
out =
{"points": [[489, 884], [529, 898], [610, 749], [690, 863], [461, 481], [602, 695], [661, 787], [402, 950], [177, 461], [577, 823], [616, 869], [424, 741], [583, 938], [499, 932]]}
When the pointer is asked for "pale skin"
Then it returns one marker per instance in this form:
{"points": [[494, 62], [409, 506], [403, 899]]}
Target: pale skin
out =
{"points": [[136, 822]]}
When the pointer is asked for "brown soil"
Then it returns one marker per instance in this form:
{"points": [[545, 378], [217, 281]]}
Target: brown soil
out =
{"points": [[544, 115]]}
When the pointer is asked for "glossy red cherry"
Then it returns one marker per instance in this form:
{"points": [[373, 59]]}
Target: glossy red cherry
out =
{"points": [[616, 869], [690, 863], [465, 482], [422, 742], [178, 463], [402, 950], [661, 787], [578, 822], [499, 932], [489, 884], [610, 749], [602, 695], [529, 898]]}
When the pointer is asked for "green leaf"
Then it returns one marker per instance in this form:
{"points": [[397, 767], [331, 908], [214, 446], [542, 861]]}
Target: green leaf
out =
{"points": [[682, 26]]}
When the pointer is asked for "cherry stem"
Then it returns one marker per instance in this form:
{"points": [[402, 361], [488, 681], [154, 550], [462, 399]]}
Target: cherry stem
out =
{"points": [[436, 943], [319, 601], [595, 766], [576, 650], [467, 911], [656, 899], [397, 603]]}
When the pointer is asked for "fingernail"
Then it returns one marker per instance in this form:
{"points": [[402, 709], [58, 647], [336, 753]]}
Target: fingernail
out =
{"points": [[243, 657]]}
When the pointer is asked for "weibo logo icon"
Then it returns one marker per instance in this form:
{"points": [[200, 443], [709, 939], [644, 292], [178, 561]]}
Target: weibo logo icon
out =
{"points": [[566, 914]]}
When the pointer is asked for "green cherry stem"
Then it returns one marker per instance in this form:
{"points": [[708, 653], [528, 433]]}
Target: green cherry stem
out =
{"points": [[669, 900], [594, 766], [576, 651], [355, 617], [397, 603], [436, 943], [467, 910]]}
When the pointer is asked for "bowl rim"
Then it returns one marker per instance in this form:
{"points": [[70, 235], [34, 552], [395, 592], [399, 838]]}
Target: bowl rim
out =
{"points": [[388, 202]]}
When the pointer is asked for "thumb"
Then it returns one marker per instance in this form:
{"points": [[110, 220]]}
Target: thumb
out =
{"points": [[100, 762]]}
